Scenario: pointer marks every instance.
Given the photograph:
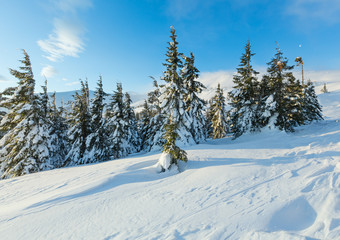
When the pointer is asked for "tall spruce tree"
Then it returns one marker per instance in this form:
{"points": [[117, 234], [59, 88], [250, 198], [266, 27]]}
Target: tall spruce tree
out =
{"points": [[98, 147], [311, 107], [154, 131], [194, 104], [131, 130], [5, 105], [58, 134], [244, 97], [209, 115], [44, 100], [80, 128], [144, 124], [117, 124], [174, 92], [219, 115], [24, 148], [282, 101]]}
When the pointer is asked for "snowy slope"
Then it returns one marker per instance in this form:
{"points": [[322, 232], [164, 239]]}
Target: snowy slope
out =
{"points": [[271, 185]]}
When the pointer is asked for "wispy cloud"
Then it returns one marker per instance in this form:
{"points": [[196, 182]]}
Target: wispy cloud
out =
{"points": [[315, 10], [48, 71], [72, 83], [66, 40]]}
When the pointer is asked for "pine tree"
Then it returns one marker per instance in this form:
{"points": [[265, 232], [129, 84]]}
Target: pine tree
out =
{"points": [[98, 148], [219, 116], [154, 131], [174, 92], [283, 99], [117, 124], [244, 97], [171, 152], [311, 106], [194, 104], [208, 129], [144, 124], [80, 128], [131, 130], [5, 105], [44, 100], [24, 148], [58, 134]]}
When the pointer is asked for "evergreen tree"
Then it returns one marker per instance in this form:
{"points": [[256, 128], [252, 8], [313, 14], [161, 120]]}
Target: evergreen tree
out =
{"points": [[144, 123], [153, 140], [174, 92], [44, 100], [58, 134], [283, 98], [5, 105], [194, 104], [24, 148], [117, 124], [208, 129], [219, 116], [244, 97], [98, 148], [171, 152], [311, 107], [131, 127], [80, 128]]}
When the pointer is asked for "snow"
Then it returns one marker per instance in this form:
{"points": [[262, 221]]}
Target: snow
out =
{"points": [[164, 162], [270, 185]]}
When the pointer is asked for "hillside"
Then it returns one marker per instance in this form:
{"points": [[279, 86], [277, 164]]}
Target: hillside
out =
{"points": [[270, 185]]}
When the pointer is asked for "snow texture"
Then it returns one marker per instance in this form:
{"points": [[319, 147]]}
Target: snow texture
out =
{"points": [[270, 185]]}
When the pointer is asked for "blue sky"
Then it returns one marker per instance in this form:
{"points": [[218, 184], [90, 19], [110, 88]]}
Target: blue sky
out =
{"points": [[125, 41]]}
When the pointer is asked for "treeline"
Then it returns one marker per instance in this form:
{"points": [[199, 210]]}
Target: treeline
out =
{"points": [[37, 135]]}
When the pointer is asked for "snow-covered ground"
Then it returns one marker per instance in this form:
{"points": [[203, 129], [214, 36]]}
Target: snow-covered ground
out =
{"points": [[271, 185]]}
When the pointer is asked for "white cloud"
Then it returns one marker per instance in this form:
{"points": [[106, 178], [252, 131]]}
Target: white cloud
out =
{"points": [[72, 83], [320, 10], [48, 71], [64, 41]]}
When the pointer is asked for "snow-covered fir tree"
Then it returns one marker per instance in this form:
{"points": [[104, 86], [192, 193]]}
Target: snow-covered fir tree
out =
{"points": [[58, 134], [219, 115], [283, 98], [171, 153], [144, 124], [194, 104], [208, 129], [116, 124], [311, 107], [153, 128], [244, 97], [24, 148], [98, 146], [174, 92], [80, 128], [44, 100], [131, 130], [5, 105]]}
